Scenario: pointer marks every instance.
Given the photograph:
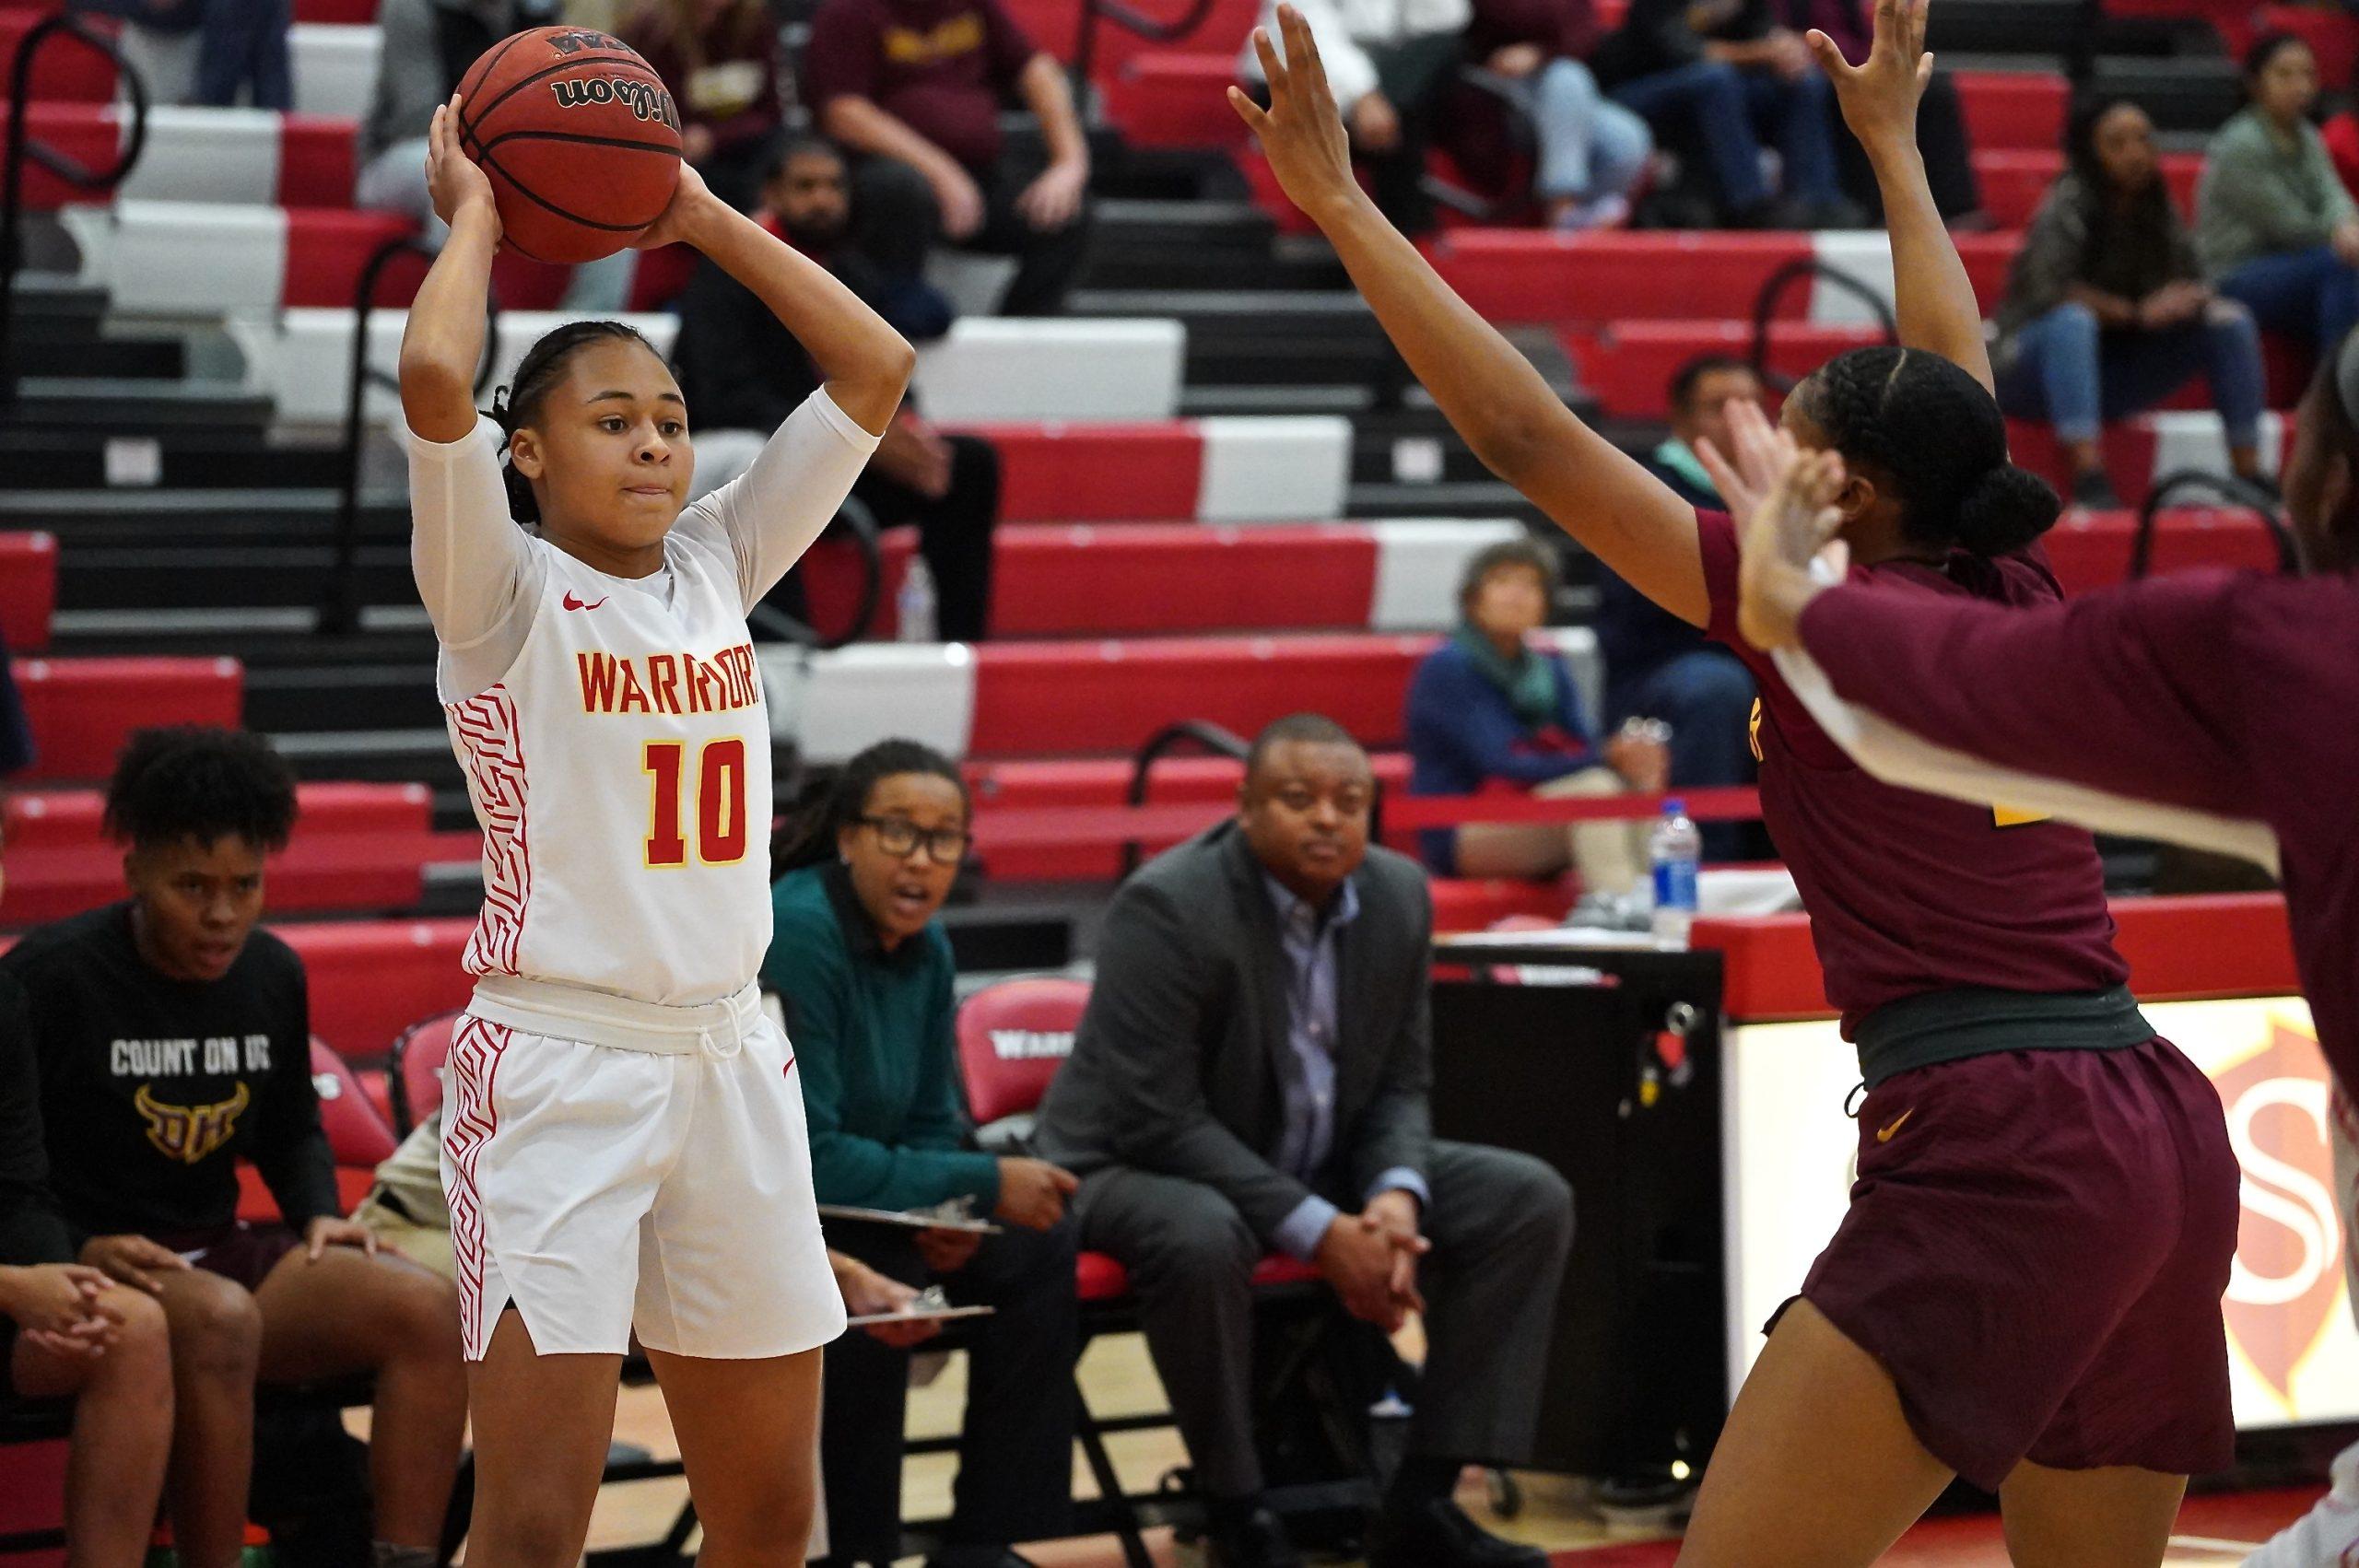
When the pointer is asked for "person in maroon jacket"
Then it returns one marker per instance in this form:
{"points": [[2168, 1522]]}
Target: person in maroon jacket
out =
{"points": [[2199, 708], [2025, 1290], [913, 89], [721, 60]]}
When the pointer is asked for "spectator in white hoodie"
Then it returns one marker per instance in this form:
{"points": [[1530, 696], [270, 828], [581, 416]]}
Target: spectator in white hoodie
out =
{"points": [[1389, 62]]}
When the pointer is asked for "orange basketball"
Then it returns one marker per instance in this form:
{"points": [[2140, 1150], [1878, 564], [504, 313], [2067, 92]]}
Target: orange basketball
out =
{"points": [[578, 136]]}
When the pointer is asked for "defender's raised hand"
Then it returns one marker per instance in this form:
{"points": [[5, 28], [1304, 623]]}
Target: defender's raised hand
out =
{"points": [[1301, 134], [1788, 530], [1880, 96]]}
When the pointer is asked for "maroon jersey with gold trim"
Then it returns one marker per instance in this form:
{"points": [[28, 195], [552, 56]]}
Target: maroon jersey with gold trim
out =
{"points": [[1908, 891]]}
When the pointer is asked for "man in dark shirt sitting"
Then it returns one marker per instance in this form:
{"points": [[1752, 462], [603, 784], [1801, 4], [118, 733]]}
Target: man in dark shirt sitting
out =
{"points": [[173, 1039], [1657, 666], [743, 372], [915, 88]]}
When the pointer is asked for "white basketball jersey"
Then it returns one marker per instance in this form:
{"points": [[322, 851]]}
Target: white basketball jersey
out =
{"points": [[621, 773]]}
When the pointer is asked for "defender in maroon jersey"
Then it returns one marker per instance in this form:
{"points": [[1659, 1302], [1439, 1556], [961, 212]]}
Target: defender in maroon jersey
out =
{"points": [[2026, 1289]]}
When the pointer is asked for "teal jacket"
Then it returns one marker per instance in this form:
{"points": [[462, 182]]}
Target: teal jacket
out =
{"points": [[873, 1040]]}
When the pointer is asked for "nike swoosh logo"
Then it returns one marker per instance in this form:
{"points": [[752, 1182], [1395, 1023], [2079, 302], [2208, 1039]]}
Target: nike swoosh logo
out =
{"points": [[573, 603], [1883, 1134]]}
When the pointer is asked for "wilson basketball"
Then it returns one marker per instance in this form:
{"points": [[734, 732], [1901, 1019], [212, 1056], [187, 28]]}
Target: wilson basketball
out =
{"points": [[578, 136]]}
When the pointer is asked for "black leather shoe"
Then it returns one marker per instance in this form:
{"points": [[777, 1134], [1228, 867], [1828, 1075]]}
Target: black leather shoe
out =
{"points": [[1259, 1541], [976, 1557], [1435, 1533]]}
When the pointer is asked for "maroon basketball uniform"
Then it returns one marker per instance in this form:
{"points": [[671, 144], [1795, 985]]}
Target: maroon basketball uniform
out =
{"points": [[2008, 1174]]}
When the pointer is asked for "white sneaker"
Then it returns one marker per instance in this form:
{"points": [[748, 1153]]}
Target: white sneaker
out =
{"points": [[2326, 1537]]}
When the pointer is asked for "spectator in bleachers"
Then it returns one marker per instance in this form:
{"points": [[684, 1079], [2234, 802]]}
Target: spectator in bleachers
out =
{"points": [[721, 60], [914, 87], [1489, 712], [67, 1331], [1724, 75], [2107, 312], [862, 965], [1390, 64], [424, 48], [1252, 1075], [1658, 666], [219, 52], [1592, 151], [2278, 231], [1942, 140], [172, 1039], [742, 372]]}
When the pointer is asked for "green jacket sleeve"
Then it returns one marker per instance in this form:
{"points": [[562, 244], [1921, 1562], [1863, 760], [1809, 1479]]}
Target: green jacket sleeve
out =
{"points": [[849, 1164]]}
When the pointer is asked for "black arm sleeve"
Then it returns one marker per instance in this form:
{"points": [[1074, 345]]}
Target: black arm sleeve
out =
{"points": [[31, 1230], [292, 1152]]}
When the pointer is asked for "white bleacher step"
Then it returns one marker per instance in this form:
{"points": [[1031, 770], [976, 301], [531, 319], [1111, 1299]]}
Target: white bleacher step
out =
{"points": [[1066, 368], [302, 357]]}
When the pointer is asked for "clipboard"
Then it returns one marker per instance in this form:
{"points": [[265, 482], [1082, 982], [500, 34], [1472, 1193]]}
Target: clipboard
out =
{"points": [[945, 1315], [905, 1221]]}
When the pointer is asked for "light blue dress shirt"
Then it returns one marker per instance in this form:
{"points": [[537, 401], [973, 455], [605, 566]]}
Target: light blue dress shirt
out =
{"points": [[1308, 1074]]}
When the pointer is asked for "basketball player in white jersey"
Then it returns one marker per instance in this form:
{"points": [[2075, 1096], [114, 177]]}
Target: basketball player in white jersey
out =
{"points": [[624, 1142]]}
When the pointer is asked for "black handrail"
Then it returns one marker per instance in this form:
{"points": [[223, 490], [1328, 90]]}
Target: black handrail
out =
{"points": [[20, 146], [856, 520], [1197, 732], [2239, 494], [340, 609], [1773, 288], [1085, 46]]}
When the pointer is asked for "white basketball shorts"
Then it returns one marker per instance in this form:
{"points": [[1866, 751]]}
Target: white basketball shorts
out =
{"points": [[611, 1164]]}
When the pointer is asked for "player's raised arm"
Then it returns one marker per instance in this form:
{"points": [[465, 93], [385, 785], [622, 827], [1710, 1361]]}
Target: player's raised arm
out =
{"points": [[1493, 397], [864, 363], [1933, 298], [444, 340]]}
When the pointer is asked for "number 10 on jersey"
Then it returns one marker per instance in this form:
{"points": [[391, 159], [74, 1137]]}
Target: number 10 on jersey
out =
{"points": [[719, 786]]}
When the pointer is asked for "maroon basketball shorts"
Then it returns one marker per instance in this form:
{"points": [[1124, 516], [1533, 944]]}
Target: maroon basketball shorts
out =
{"points": [[2035, 1250], [243, 1252]]}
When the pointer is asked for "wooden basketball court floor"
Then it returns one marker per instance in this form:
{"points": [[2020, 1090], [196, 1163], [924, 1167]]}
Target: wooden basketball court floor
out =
{"points": [[1558, 1513]]}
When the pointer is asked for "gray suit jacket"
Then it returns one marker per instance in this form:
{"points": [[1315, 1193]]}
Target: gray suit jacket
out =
{"points": [[1176, 1067]]}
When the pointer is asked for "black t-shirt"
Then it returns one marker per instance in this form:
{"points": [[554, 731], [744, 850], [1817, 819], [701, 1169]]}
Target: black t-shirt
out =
{"points": [[152, 1088], [31, 1230]]}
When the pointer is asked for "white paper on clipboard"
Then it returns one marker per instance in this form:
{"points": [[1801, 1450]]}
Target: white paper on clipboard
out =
{"points": [[944, 1316]]}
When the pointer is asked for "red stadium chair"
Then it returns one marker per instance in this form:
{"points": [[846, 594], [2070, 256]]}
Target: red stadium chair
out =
{"points": [[358, 1137], [416, 1067], [1012, 1037]]}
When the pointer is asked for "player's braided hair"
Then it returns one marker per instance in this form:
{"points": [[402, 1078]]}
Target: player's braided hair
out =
{"points": [[1935, 436], [519, 403], [200, 782], [832, 799]]}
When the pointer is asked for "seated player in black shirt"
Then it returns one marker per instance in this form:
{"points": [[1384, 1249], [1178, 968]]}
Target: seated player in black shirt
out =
{"points": [[67, 1331], [172, 1037]]}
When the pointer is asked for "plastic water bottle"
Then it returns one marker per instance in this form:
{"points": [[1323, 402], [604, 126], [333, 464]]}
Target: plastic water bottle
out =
{"points": [[1675, 847], [913, 607]]}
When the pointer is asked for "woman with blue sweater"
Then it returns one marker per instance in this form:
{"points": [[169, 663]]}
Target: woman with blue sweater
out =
{"points": [[1490, 713]]}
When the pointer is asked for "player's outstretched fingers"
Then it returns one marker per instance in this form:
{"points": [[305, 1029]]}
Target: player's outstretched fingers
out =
{"points": [[1829, 55], [1302, 53], [1273, 70], [1257, 120]]}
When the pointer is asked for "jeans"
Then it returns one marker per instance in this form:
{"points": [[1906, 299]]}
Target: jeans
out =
{"points": [[2065, 369], [394, 181], [1730, 109], [1706, 697], [245, 44], [897, 222], [1590, 147], [2310, 294]]}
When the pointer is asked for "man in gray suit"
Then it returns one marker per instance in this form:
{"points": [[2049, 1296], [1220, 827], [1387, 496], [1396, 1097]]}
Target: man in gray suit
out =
{"points": [[1251, 1077]]}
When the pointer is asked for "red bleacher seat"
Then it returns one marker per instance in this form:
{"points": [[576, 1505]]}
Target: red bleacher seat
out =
{"points": [[2013, 109], [2329, 31], [356, 846], [358, 1137], [1629, 364], [315, 153], [2092, 549], [1011, 1038], [82, 710], [347, 13], [1174, 100], [370, 979], [86, 132], [2014, 182], [1097, 1278], [67, 71], [1058, 473], [1462, 904], [27, 589], [1110, 696], [1528, 276]]}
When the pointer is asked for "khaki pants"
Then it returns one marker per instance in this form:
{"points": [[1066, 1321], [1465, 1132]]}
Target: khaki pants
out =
{"points": [[429, 1247], [1610, 855]]}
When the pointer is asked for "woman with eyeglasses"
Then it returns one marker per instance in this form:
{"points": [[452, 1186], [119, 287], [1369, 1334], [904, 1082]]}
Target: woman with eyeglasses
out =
{"points": [[862, 964]]}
